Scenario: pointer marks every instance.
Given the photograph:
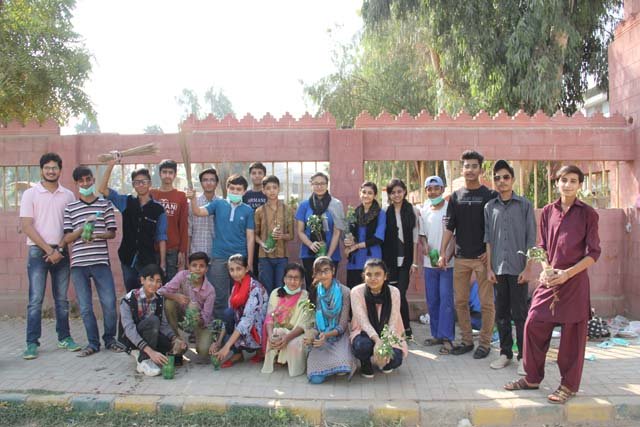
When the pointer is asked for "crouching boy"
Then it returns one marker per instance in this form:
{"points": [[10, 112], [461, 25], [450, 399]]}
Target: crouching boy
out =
{"points": [[189, 299], [144, 327]]}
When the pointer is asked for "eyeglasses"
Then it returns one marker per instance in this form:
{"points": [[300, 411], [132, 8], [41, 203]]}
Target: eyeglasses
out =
{"points": [[318, 184], [296, 278], [139, 182], [50, 168], [324, 271], [505, 177], [470, 166]]}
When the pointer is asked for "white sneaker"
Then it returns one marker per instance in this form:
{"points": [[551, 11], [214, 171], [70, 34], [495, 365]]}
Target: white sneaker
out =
{"points": [[500, 362], [135, 354], [387, 371], [148, 368], [521, 370]]}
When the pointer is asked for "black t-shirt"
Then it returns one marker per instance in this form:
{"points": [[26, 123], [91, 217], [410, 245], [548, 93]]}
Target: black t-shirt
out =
{"points": [[255, 199], [465, 217]]}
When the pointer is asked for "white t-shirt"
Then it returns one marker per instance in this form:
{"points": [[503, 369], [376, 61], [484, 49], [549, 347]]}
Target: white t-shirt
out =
{"points": [[432, 227]]}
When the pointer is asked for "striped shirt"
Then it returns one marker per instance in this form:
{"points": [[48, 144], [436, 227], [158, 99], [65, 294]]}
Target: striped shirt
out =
{"points": [[201, 230], [85, 254]]}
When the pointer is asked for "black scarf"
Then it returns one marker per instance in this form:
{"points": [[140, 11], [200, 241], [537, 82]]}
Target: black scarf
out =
{"points": [[384, 298], [369, 219], [319, 205], [390, 247]]}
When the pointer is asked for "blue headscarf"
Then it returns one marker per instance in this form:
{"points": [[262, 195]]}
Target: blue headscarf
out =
{"points": [[329, 303]]}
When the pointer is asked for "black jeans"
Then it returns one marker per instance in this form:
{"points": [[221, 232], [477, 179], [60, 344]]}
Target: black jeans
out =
{"points": [[362, 347], [149, 329], [511, 304], [399, 277]]}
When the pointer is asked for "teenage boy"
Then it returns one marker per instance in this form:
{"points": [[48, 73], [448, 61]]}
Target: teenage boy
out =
{"points": [[90, 260], [176, 208], [509, 228], [145, 331], [201, 230], [438, 282], [569, 235], [234, 225], [465, 217], [191, 289], [272, 218], [144, 224], [41, 218], [256, 197]]}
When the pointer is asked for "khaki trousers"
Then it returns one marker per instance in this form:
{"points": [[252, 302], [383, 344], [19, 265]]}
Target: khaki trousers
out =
{"points": [[175, 314], [462, 270]]}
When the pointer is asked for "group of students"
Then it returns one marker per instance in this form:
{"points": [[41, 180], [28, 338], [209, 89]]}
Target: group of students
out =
{"points": [[182, 254]]}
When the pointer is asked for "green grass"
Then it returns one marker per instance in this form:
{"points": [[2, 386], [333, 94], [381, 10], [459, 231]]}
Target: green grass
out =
{"points": [[32, 416]]}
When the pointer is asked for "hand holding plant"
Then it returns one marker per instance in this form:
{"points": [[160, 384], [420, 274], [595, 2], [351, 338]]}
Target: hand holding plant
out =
{"points": [[384, 350]]}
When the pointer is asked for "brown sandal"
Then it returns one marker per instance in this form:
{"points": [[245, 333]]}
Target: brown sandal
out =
{"points": [[446, 348], [87, 351], [520, 384], [560, 396]]}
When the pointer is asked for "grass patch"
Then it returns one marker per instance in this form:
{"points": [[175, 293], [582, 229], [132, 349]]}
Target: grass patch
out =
{"points": [[31, 416]]}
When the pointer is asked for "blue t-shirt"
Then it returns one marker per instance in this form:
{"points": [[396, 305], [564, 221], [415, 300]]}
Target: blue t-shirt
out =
{"points": [[303, 213], [361, 256], [231, 224], [120, 202]]}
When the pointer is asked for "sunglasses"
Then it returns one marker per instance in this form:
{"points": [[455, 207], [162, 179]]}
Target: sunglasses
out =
{"points": [[505, 177]]}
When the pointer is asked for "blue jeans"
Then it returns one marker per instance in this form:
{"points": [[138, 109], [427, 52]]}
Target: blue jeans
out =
{"points": [[103, 280], [438, 285], [37, 269], [131, 276], [171, 259], [218, 276], [271, 272]]}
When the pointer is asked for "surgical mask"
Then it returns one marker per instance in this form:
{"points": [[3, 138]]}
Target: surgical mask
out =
{"points": [[290, 292], [87, 191], [436, 201], [234, 198]]}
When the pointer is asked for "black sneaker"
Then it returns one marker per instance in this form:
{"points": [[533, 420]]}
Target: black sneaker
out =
{"points": [[366, 370]]}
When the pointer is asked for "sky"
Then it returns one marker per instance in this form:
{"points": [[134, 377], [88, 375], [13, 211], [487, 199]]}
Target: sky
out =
{"points": [[145, 52]]}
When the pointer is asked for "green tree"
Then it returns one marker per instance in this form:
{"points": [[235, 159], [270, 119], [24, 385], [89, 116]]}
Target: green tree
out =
{"points": [[43, 63], [153, 130], [510, 54], [219, 104], [189, 102], [88, 125]]}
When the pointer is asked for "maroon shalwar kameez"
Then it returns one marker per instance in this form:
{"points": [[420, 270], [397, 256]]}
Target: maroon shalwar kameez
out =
{"points": [[567, 238]]}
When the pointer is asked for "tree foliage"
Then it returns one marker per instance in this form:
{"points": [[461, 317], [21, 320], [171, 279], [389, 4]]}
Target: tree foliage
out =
{"points": [[88, 125], [43, 63], [217, 103], [153, 130], [481, 54]]}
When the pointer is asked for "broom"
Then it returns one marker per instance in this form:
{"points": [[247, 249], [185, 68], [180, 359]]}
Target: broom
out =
{"points": [[142, 150], [186, 158]]}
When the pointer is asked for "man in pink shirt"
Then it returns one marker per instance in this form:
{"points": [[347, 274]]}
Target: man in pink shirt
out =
{"points": [[41, 219]]}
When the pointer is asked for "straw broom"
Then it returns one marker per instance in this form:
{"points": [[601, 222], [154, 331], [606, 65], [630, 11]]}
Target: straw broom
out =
{"points": [[186, 158], [142, 150]]}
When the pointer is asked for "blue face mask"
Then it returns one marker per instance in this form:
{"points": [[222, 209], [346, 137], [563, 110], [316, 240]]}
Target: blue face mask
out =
{"points": [[436, 201], [290, 292], [234, 198], [87, 191]]}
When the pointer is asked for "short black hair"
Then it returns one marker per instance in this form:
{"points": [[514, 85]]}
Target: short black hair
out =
{"points": [[151, 270], [502, 164], [141, 171], [50, 157], [196, 256], [570, 169], [317, 174], [211, 171], [271, 179], [257, 165], [168, 164], [80, 172], [289, 267], [236, 179], [371, 185], [470, 155]]}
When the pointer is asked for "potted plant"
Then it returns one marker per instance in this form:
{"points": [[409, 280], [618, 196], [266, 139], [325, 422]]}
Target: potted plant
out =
{"points": [[385, 351], [309, 313], [216, 329], [538, 254]]}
